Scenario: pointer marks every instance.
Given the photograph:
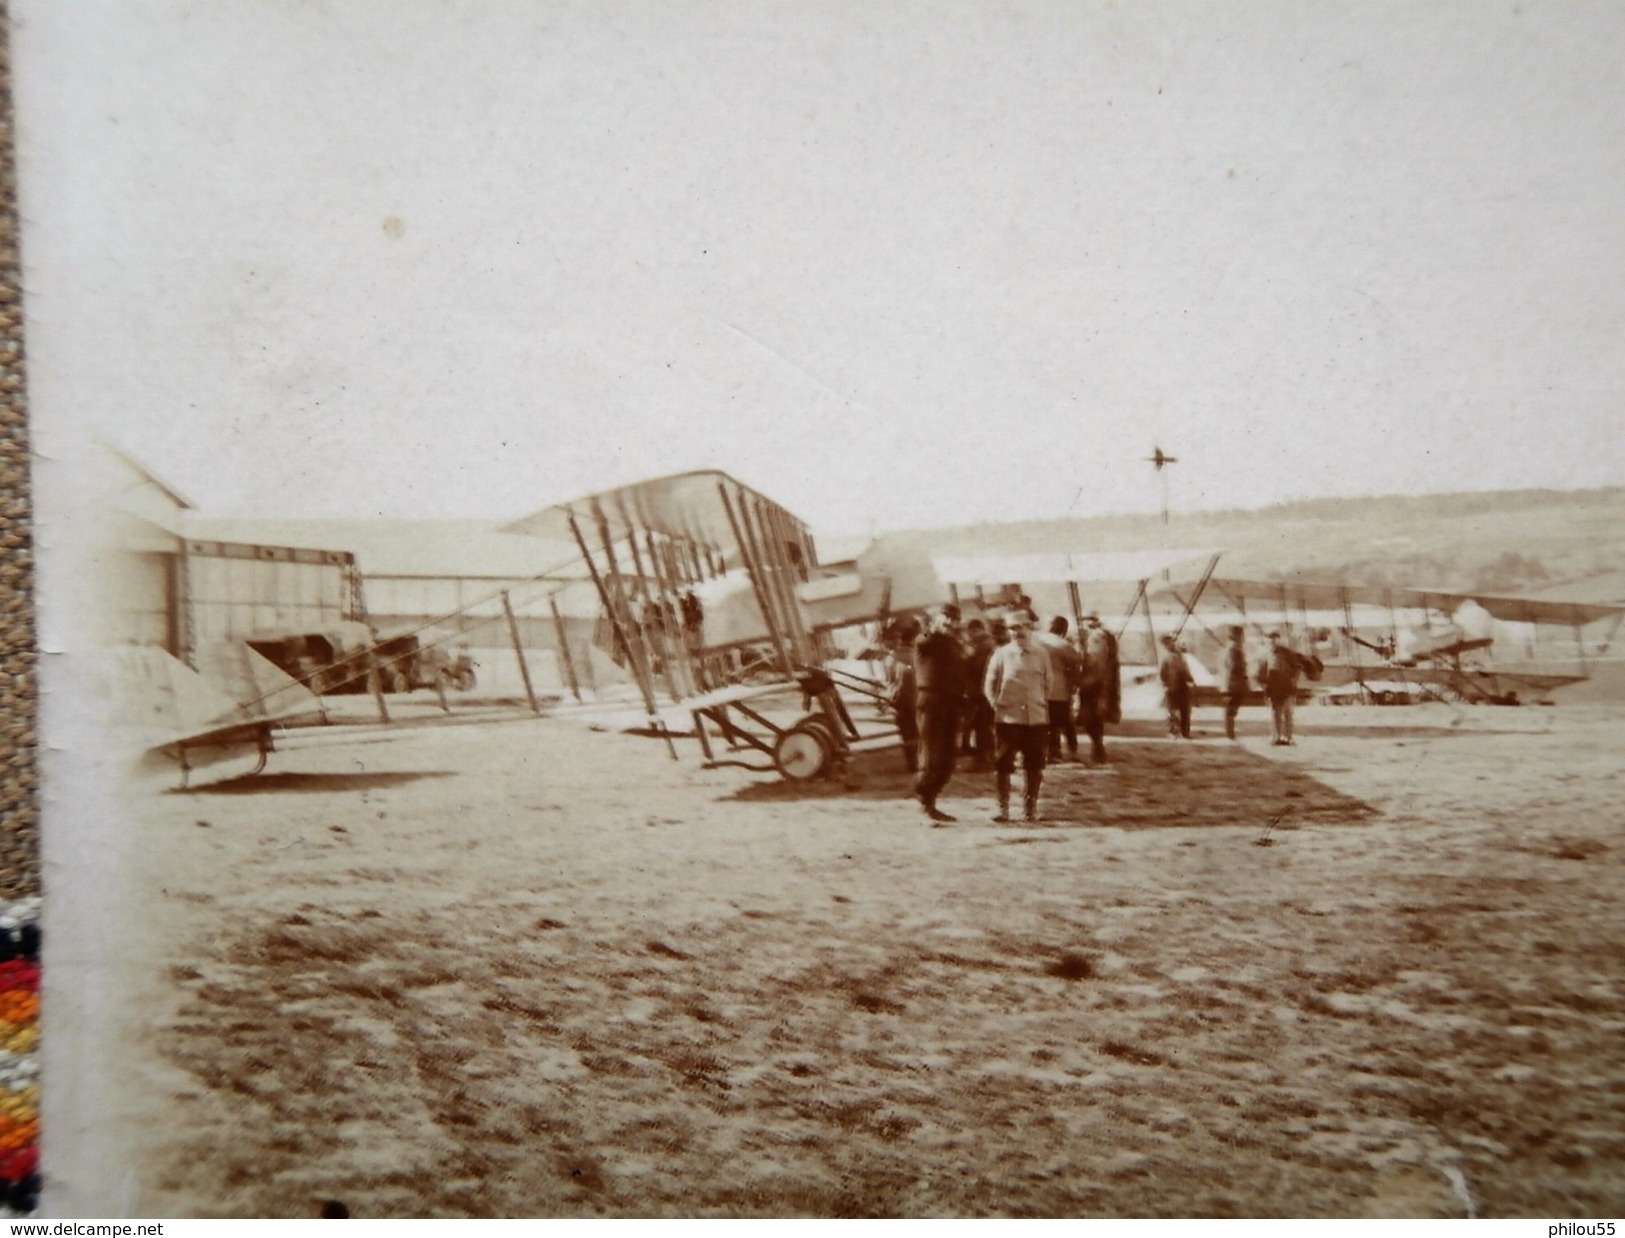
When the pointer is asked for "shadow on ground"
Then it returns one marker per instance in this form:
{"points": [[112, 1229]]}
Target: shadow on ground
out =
{"points": [[1146, 785], [256, 784]]}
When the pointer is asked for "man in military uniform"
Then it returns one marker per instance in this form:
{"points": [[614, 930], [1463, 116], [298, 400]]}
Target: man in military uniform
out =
{"points": [[1099, 685], [1066, 664], [939, 677], [976, 718], [1177, 684], [1018, 685], [1234, 675], [1278, 676]]}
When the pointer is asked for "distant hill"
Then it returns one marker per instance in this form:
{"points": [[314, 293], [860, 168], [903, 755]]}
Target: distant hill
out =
{"points": [[1571, 543], [1503, 541]]}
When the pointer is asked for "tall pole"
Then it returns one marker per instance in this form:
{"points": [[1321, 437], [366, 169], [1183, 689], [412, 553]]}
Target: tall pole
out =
{"points": [[519, 652]]}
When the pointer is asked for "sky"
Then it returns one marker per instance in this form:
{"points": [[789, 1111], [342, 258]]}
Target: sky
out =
{"points": [[893, 264]]}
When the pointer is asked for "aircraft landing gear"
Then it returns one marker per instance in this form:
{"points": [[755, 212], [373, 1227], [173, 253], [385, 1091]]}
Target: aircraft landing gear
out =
{"points": [[806, 750]]}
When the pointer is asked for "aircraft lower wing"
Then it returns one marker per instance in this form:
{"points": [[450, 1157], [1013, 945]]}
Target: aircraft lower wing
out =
{"points": [[1487, 684]]}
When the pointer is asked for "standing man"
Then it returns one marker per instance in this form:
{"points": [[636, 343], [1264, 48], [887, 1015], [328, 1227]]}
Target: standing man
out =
{"points": [[1018, 685], [1100, 685], [899, 639], [976, 720], [1278, 676], [939, 676], [1234, 674], [1065, 664], [1177, 683]]}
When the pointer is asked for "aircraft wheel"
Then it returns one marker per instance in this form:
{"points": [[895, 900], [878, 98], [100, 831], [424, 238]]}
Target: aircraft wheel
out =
{"points": [[823, 723], [805, 751], [830, 729]]}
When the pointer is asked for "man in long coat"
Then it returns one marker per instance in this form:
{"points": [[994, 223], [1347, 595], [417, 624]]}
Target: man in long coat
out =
{"points": [[1100, 685], [1278, 676], [939, 676], [1177, 683]]}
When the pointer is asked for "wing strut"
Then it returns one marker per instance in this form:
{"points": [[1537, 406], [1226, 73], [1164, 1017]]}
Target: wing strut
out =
{"points": [[1201, 586], [638, 669], [1128, 615], [756, 581]]}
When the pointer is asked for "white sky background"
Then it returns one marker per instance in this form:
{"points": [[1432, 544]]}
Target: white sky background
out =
{"points": [[893, 264]]}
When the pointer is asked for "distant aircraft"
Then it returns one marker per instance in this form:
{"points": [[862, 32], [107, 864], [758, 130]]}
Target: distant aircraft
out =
{"points": [[1160, 460], [1430, 656]]}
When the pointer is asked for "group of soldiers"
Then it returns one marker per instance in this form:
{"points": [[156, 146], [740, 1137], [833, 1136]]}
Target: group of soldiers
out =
{"points": [[998, 689], [1278, 674]]}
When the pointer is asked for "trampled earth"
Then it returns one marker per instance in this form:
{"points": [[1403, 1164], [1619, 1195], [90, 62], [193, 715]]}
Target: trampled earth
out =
{"points": [[521, 968]]}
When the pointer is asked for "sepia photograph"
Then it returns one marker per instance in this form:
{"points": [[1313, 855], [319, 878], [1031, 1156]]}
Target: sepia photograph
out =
{"points": [[823, 610]]}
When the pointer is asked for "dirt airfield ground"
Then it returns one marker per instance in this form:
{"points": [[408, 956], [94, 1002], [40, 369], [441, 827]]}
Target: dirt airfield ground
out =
{"points": [[521, 968]]}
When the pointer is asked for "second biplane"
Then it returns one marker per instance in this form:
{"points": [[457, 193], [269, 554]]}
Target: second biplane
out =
{"points": [[1384, 644]]}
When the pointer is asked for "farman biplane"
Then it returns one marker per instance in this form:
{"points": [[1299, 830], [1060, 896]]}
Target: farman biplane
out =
{"points": [[718, 607]]}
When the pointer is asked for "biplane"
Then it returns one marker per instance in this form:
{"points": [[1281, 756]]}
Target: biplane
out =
{"points": [[1388, 645], [717, 605], [1116, 584]]}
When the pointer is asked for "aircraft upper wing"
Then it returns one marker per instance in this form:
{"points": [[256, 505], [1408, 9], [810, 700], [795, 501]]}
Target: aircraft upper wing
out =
{"points": [[1084, 567], [683, 506], [1315, 595]]}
